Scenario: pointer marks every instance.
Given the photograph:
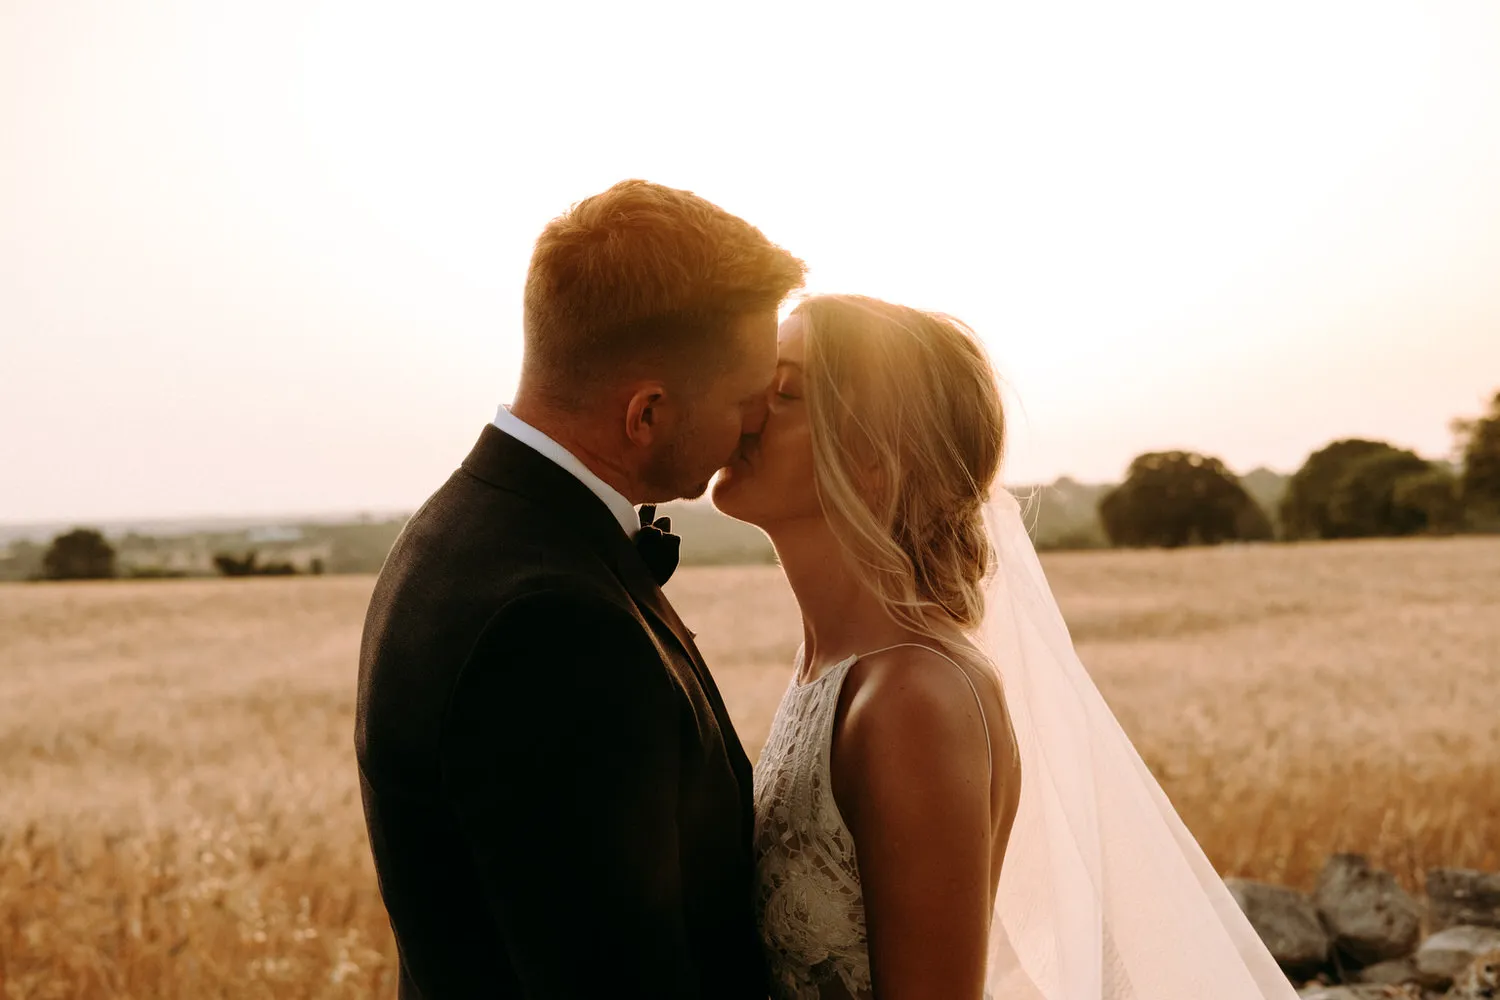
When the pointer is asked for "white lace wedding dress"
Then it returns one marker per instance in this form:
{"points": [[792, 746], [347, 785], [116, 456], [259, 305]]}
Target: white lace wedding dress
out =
{"points": [[808, 901]]}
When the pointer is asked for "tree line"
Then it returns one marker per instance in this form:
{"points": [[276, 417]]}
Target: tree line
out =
{"points": [[1352, 488], [85, 554], [356, 546]]}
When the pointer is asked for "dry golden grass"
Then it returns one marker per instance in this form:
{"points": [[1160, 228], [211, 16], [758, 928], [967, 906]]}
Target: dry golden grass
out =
{"points": [[179, 815]]}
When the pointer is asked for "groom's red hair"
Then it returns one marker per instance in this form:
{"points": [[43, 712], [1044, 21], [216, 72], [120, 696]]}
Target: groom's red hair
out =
{"points": [[644, 278]]}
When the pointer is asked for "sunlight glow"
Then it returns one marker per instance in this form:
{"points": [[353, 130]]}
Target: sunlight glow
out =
{"points": [[1243, 230]]}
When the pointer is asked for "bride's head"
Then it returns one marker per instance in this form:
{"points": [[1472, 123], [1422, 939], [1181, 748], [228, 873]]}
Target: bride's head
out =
{"points": [[886, 427]]}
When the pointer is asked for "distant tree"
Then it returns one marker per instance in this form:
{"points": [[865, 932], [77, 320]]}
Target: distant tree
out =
{"points": [[1479, 441], [250, 565], [232, 565], [1366, 499], [1305, 511], [81, 554], [1175, 498], [1436, 496], [1252, 523]]}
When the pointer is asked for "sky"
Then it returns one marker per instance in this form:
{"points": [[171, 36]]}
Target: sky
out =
{"points": [[268, 258]]}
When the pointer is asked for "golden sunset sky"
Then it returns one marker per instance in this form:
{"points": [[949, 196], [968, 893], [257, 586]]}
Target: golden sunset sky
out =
{"points": [[267, 257]]}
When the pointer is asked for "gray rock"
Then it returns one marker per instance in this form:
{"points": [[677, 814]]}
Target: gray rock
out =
{"points": [[1462, 896], [1287, 923], [1391, 973], [1371, 918], [1445, 955]]}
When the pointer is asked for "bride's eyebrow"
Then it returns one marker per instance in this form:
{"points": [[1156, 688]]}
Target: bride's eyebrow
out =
{"points": [[784, 363]]}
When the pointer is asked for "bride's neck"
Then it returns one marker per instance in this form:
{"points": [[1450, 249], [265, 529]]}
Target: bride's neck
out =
{"points": [[840, 616]]}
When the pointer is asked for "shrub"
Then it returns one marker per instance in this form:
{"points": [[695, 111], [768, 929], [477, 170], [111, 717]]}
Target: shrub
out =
{"points": [[81, 554], [1176, 498]]}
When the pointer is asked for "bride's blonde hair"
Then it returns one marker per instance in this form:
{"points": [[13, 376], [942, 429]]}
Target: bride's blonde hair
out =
{"points": [[908, 433]]}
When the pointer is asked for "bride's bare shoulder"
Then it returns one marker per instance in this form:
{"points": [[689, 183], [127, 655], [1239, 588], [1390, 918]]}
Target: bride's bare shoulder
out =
{"points": [[911, 712], [912, 701]]}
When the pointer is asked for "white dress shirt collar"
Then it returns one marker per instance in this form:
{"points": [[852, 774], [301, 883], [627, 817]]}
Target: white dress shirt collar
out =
{"points": [[528, 435]]}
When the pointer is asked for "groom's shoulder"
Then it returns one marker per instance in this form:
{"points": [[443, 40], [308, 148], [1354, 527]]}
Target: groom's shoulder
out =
{"points": [[454, 583], [471, 549], [469, 528]]}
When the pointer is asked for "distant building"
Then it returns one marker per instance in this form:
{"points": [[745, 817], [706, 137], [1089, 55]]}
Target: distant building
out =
{"points": [[274, 534], [188, 557]]}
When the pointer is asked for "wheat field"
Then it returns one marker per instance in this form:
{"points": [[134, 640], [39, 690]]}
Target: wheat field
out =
{"points": [[179, 815]]}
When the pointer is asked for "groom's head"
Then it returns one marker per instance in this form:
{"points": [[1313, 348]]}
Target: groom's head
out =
{"points": [[651, 318]]}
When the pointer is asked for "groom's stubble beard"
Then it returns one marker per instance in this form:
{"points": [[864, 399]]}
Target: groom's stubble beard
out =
{"points": [[673, 474]]}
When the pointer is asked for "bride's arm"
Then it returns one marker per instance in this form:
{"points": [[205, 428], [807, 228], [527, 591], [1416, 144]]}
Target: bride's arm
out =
{"points": [[911, 777]]}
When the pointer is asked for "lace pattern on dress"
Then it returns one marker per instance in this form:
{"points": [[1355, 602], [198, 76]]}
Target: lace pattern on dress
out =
{"points": [[807, 891]]}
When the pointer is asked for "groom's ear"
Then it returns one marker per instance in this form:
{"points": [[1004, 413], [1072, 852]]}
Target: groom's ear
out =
{"points": [[643, 414]]}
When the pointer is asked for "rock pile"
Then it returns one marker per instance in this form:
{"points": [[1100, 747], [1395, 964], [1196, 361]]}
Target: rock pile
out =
{"points": [[1360, 936]]}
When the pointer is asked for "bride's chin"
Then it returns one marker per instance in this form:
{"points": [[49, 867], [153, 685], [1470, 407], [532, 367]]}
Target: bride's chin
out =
{"points": [[726, 492]]}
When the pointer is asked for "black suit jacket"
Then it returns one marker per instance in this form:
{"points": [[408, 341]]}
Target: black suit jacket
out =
{"points": [[556, 799]]}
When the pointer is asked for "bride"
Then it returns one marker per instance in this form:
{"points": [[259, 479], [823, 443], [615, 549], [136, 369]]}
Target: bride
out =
{"points": [[946, 808]]}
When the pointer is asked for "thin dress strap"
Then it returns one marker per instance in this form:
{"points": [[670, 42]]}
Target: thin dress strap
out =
{"points": [[989, 750]]}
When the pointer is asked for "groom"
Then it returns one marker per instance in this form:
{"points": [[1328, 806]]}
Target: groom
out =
{"points": [[556, 800]]}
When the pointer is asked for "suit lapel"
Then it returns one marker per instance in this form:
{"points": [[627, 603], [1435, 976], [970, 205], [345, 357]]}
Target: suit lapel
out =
{"points": [[504, 462], [642, 586]]}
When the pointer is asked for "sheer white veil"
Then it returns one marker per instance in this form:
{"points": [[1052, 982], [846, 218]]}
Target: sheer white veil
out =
{"points": [[1104, 894]]}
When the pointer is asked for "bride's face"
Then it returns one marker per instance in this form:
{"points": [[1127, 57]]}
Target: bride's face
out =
{"points": [[770, 481]]}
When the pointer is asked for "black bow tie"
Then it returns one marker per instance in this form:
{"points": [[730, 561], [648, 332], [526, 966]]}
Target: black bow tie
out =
{"points": [[657, 545]]}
